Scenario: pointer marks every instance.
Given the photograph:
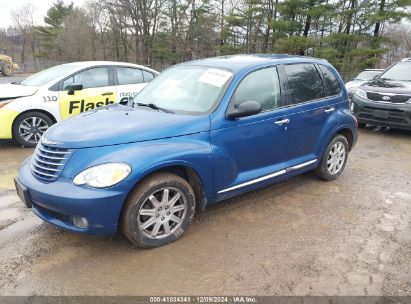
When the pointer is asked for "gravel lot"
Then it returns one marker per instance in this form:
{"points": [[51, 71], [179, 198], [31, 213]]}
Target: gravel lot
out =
{"points": [[302, 237]]}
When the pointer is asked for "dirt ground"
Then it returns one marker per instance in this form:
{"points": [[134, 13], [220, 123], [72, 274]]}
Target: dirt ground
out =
{"points": [[302, 237]]}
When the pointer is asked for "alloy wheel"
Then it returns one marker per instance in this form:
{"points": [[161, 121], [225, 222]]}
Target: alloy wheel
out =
{"points": [[162, 213], [32, 128], [336, 158]]}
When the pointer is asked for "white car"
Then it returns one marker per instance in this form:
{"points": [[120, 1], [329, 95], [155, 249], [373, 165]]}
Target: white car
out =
{"points": [[29, 108]]}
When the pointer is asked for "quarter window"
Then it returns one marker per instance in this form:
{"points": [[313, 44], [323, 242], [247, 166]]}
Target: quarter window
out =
{"points": [[261, 86], [129, 76], [305, 82], [91, 78], [333, 86], [147, 76]]}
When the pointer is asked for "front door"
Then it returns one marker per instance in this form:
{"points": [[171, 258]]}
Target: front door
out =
{"points": [[96, 92], [252, 149]]}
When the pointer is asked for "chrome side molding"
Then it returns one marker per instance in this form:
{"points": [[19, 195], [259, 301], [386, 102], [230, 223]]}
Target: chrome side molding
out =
{"points": [[272, 175]]}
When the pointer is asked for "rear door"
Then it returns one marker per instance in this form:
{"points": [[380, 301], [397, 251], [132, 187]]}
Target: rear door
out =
{"points": [[98, 90], [309, 111], [130, 81]]}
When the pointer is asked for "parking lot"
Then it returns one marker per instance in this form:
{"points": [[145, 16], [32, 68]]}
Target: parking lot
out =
{"points": [[305, 236]]}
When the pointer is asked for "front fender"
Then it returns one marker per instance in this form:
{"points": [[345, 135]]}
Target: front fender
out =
{"points": [[192, 151]]}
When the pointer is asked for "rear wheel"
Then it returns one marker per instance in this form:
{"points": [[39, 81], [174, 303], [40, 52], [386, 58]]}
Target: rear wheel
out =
{"points": [[29, 127], [7, 69], [158, 211], [334, 159]]}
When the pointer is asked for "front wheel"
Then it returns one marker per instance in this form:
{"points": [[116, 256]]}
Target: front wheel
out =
{"points": [[29, 127], [334, 159], [158, 211]]}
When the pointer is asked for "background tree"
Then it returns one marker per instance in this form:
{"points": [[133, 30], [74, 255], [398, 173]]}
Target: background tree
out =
{"points": [[351, 34], [23, 23], [48, 34]]}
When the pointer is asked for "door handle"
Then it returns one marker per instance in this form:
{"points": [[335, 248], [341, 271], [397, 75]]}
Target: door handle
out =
{"points": [[282, 121], [329, 110], [107, 94]]}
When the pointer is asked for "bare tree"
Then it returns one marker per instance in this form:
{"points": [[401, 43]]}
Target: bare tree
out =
{"points": [[23, 21], [76, 38]]}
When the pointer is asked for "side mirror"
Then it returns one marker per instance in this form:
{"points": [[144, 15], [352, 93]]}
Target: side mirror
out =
{"points": [[73, 87], [247, 108]]}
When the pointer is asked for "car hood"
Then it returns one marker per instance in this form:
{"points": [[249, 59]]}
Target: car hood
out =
{"points": [[119, 124], [388, 86], [9, 90], [353, 84]]}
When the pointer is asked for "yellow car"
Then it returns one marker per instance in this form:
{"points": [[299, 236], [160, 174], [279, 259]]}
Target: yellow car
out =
{"points": [[29, 108]]}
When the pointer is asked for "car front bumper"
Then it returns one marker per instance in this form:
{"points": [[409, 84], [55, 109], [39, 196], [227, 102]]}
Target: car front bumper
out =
{"points": [[59, 202], [394, 115]]}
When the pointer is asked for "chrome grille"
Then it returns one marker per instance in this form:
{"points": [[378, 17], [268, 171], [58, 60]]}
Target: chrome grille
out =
{"points": [[48, 161]]}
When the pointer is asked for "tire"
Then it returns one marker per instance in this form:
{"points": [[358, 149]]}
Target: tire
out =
{"points": [[361, 125], [144, 218], [7, 69], [327, 170], [37, 122]]}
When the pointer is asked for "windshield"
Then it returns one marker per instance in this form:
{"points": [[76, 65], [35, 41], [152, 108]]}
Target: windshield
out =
{"points": [[367, 75], [185, 89], [400, 71], [48, 75]]}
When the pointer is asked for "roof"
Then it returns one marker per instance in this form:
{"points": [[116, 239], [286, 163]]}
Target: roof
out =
{"points": [[86, 64], [236, 63]]}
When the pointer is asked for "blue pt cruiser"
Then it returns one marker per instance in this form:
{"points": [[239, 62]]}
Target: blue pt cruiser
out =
{"points": [[201, 132]]}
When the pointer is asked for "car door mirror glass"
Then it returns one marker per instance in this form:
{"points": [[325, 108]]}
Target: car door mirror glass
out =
{"points": [[244, 109]]}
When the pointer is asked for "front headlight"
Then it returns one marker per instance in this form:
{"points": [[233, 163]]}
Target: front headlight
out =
{"points": [[361, 93], [103, 176]]}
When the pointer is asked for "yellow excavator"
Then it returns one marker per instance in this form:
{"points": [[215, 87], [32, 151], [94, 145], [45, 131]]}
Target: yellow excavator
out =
{"points": [[7, 67]]}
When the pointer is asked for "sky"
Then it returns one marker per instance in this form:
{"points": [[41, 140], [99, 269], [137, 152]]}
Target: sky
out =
{"points": [[40, 6]]}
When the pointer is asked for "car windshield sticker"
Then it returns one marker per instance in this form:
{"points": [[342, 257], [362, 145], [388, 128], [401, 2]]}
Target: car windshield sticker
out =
{"points": [[215, 77]]}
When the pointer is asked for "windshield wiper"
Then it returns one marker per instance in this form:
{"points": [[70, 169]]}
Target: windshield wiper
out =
{"points": [[155, 107]]}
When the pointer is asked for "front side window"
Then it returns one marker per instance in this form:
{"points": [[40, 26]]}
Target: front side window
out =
{"points": [[186, 89], [129, 76], [398, 72], [261, 86], [91, 78], [305, 82], [333, 86]]}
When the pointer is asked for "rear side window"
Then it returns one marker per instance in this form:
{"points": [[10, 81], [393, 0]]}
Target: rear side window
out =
{"points": [[261, 86], [147, 76], [333, 86], [129, 76], [305, 82]]}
